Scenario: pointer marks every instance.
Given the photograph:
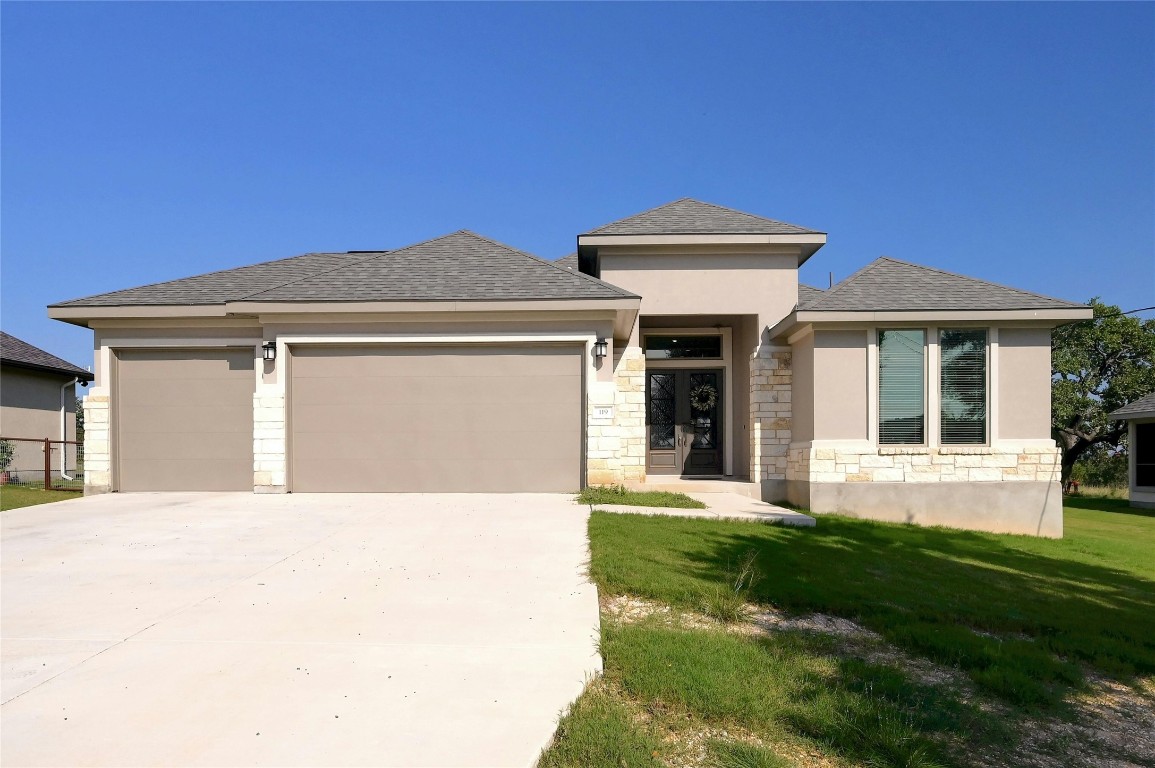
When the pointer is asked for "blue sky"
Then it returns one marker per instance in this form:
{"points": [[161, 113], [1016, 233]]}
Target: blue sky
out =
{"points": [[150, 141]]}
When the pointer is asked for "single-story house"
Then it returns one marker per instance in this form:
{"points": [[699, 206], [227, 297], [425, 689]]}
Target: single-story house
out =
{"points": [[675, 343], [1140, 418], [37, 402]]}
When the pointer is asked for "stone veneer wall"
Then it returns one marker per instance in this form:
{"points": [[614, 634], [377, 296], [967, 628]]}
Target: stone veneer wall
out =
{"points": [[616, 448], [269, 464], [902, 464], [97, 442], [770, 413]]}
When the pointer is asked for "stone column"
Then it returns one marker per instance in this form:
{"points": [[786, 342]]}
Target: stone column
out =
{"points": [[269, 465], [770, 414], [97, 442]]}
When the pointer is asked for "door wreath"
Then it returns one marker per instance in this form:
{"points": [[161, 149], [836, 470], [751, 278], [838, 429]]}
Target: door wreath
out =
{"points": [[703, 397]]}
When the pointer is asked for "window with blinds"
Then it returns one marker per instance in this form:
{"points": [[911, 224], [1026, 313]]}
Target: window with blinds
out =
{"points": [[963, 386], [901, 387]]}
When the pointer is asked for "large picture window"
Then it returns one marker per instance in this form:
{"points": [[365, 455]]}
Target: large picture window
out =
{"points": [[963, 386], [901, 387]]}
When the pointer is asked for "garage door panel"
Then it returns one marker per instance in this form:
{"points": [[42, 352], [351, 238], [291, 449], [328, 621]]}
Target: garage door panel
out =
{"points": [[189, 420], [533, 476], [441, 389], [436, 418], [409, 422], [184, 420], [156, 446], [159, 393]]}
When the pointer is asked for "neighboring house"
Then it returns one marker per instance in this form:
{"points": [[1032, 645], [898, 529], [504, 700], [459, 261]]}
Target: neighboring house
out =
{"points": [[1140, 418], [674, 343], [37, 397]]}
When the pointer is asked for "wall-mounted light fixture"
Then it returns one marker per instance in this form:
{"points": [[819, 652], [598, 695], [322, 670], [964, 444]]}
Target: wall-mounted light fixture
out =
{"points": [[601, 349], [270, 350]]}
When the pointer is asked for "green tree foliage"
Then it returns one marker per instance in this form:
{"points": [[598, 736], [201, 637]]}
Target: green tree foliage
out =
{"points": [[1097, 366]]}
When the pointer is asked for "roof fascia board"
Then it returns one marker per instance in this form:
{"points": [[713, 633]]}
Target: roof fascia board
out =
{"points": [[1061, 315], [730, 249], [61, 372], [173, 322], [703, 239], [82, 315]]}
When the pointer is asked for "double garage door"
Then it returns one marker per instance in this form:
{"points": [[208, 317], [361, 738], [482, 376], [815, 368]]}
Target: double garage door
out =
{"points": [[393, 418]]}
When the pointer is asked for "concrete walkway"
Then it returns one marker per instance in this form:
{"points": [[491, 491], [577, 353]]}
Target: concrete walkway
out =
{"points": [[302, 630], [723, 506]]}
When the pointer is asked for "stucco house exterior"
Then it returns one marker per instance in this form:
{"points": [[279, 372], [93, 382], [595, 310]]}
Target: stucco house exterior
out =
{"points": [[1140, 418], [37, 396], [676, 343]]}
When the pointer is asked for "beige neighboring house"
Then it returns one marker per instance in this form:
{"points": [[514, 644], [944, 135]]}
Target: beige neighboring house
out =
{"points": [[37, 397], [672, 345], [1140, 418]]}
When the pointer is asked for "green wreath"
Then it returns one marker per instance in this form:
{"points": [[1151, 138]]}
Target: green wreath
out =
{"points": [[703, 397]]}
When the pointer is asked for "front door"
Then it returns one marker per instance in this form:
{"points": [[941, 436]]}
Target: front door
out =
{"points": [[683, 425]]}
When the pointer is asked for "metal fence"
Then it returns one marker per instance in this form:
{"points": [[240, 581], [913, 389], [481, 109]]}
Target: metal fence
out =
{"points": [[55, 465]]}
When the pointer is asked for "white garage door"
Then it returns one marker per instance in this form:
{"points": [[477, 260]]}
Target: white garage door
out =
{"points": [[472, 418], [184, 420]]}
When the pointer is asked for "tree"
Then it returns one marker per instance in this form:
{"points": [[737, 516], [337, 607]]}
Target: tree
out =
{"points": [[1097, 365]]}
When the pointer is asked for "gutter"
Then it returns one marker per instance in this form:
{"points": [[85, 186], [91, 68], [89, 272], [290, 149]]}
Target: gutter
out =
{"points": [[64, 428]]}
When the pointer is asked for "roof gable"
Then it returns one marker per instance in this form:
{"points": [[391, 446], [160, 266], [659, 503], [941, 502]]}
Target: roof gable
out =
{"points": [[890, 285], [693, 217], [14, 351]]}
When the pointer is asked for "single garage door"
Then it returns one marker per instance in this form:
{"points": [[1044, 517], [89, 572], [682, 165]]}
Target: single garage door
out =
{"points": [[474, 418], [185, 420]]}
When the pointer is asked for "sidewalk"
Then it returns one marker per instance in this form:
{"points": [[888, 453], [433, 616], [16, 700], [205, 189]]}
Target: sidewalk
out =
{"points": [[723, 506]]}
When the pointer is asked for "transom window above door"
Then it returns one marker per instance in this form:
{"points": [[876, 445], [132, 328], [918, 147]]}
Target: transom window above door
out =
{"points": [[682, 347]]}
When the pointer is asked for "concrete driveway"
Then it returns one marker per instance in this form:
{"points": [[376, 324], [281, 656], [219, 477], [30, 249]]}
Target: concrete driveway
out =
{"points": [[235, 629]]}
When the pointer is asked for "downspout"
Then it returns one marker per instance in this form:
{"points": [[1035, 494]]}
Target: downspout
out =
{"points": [[64, 430]]}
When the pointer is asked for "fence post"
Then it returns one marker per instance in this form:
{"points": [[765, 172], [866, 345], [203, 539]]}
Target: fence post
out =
{"points": [[47, 464]]}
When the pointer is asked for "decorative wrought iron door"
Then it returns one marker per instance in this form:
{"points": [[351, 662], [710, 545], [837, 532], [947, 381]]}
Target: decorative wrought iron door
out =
{"points": [[683, 421]]}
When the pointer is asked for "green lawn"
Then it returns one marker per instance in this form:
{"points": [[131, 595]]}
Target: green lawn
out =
{"points": [[619, 495], [16, 496], [1019, 622]]}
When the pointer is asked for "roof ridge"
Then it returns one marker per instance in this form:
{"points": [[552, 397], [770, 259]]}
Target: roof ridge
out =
{"points": [[744, 213], [546, 262], [376, 255], [833, 290], [635, 215], [977, 280], [309, 276]]}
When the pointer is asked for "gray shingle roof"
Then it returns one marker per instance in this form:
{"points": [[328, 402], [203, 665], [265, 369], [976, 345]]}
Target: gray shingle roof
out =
{"points": [[807, 293], [1141, 408], [461, 266], [14, 351], [693, 217], [888, 284], [569, 262], [223, 286]]}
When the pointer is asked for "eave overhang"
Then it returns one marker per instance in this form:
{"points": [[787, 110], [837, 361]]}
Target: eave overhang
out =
{"points": [[62, 373], [801, 318], [808, 243], [624, 310]]}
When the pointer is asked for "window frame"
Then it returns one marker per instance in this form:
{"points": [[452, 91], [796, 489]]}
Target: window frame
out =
{"points": [[932, 385], [1133, 450], [926, 394], [987, 386]]}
